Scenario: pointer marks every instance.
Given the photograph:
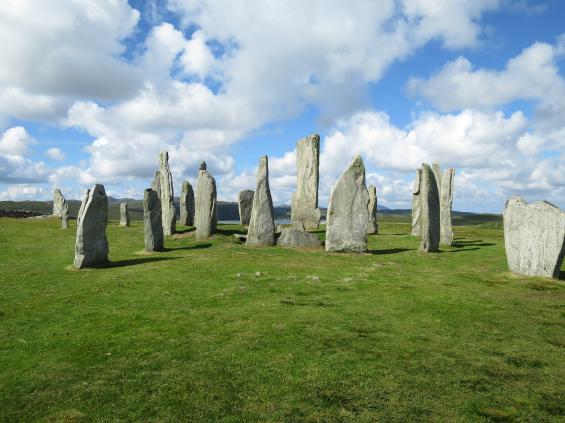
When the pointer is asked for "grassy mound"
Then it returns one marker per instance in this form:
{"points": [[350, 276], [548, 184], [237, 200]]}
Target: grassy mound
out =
{"points": [[215, 331]]}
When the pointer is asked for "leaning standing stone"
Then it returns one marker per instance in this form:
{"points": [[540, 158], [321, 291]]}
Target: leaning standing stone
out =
{"points": [[372, 226], [58, 201], [124, 214], [153, 227], [167, 195], [91, 245], [304, 208], [416, 204], [348, 212], [65, 216], [245, 204], [205, 215], [261, 231], [429, 211], [187, 205], [534, 237]]}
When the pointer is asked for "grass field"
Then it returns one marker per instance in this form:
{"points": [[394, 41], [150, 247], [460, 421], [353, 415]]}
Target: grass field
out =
{"points": [[196, 334]]}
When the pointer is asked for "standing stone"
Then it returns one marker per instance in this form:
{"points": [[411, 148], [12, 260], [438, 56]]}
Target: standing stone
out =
{"points": [[156, 184], [304, 208], [446, 203], [152, 221], [372, 226], [297, 238], [124, 214], [348, 211], [534, 237], [187, 204], [91, 245], [168, 210], [245, 205], [205, 215], [261, 231], [65, 216], [429, 211], [416, 204], [58, 201]]}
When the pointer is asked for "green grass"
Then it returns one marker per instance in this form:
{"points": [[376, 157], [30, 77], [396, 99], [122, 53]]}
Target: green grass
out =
{"points": [[193, 334]]}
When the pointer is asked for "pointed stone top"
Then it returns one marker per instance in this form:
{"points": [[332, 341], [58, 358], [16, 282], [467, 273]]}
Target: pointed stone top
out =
{"points": [[203, 165], [372, 188], [163, 157]]}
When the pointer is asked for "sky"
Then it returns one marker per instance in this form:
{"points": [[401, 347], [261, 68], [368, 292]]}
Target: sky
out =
{"points": [[92, 90]]}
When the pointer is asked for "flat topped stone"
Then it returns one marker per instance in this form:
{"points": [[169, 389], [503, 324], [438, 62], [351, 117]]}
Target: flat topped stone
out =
{"points": [[429, 211], [91, 245], [261, 231], [348, 212], [295, 238], [124, 214], [304, 207], [152, 226], [534, 237], [58, 202], [187, 204], [205, 215], [245, 205]]}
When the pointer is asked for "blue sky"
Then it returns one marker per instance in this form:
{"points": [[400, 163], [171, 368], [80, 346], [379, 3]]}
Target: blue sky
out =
{"points": [[90, 93]]}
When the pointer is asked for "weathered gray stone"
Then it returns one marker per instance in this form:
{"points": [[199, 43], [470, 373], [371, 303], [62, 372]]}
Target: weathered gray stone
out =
{"points": [[429, 211], [245, 204], [304, 208], [58, 201], [372, 226], [446, 203], [168, 210], [65, 216], [416, 211], [187, 204], [152, 221], [296, 238], [348, 212], [534, 237], [124, 214], [156, 184], [202, 166], [279, 228], [205, 215], [261, 231], [91, 245]]}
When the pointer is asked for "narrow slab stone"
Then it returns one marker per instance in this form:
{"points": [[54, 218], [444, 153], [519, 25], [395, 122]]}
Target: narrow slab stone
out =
{"points": [[348, 211], [245, 205], [169, 216], [187, 204], [65, 216], [91, 245], [152, 221], [58, 201], [124, 214], [429, 211], [205, 215], [156, 184], [261, 231], [372, 226], [534, 237], [446, 204], [296, 238], [304, 207], [416, 204]]}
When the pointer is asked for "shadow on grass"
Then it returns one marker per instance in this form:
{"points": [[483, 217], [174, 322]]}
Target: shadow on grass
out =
{"points": [[228, 232], [561, 275], [132, 262], [390, 251], [460, 250], [189, 247], [185, 231], [474, 243]]}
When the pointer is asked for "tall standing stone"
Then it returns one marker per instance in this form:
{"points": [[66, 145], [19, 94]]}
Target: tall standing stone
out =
{"points": [[168, 210], [152, 221], [372, 226], [65, 216], [261, 231], [348, 211], [187, 204], [58, 201], [534, 237], [124, 214], [416, 212], [446, 204], [304, 208], [91, 245], [205, 215], [156, 184], [429, 211], [245, 205]]}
